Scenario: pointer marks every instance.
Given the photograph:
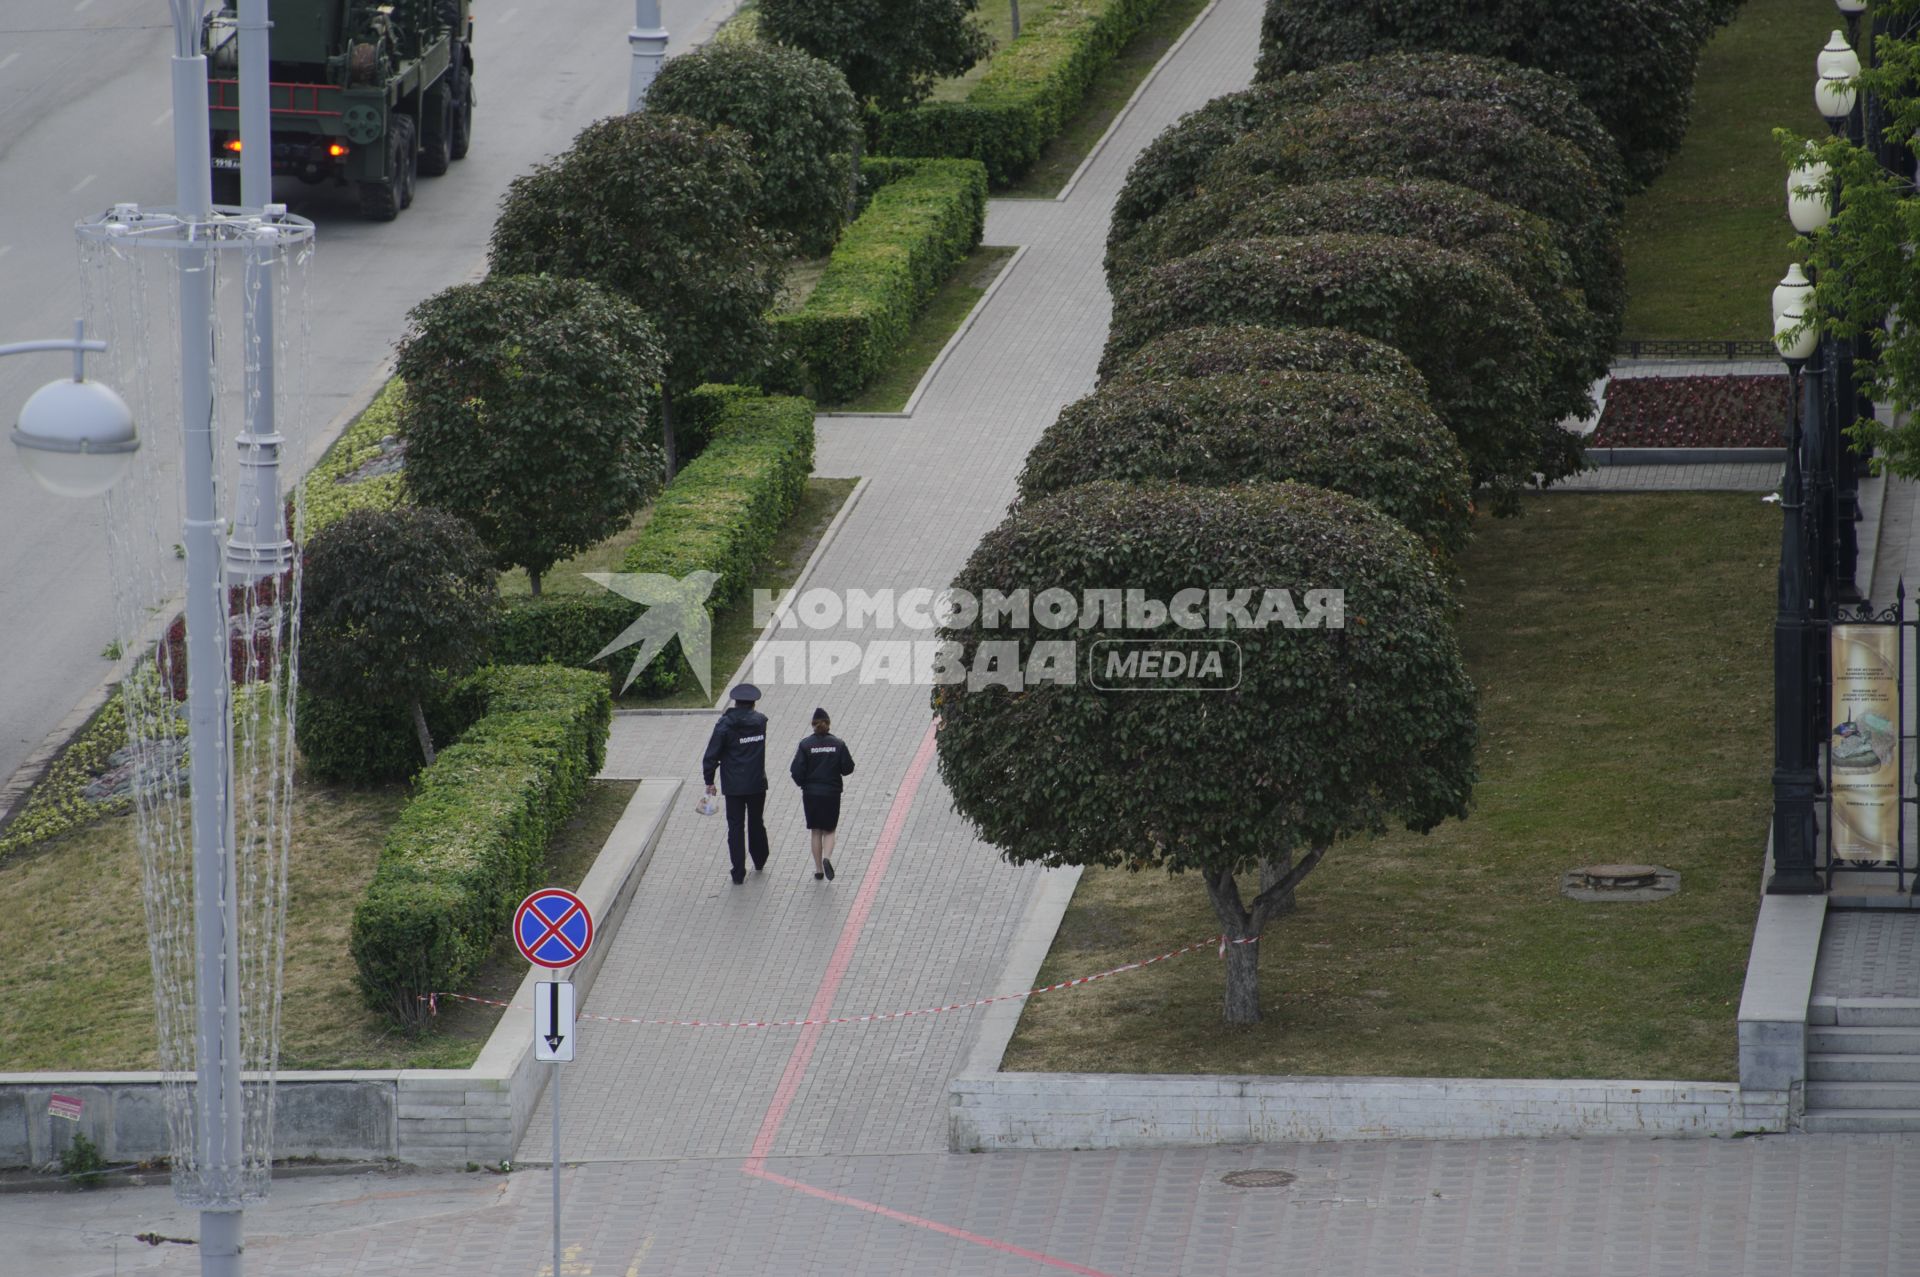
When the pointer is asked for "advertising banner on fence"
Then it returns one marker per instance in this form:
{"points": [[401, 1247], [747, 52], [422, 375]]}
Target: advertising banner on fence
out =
{"points": [[1864, 746]]}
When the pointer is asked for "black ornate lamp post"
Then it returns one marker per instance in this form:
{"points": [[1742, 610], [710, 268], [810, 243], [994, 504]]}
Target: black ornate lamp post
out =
{"points": [[1796, 779]]}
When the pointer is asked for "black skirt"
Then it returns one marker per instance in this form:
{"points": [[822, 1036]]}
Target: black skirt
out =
{"points": [[823, 811]]}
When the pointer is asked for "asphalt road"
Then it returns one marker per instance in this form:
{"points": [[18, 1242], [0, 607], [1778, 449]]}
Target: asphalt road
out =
{"points": [[85, 123]]}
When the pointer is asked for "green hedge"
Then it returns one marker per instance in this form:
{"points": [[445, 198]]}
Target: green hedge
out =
{"points": [[354, 743], [328, 496], [916, 229], [721, 514], [1029, 92], [471, 843]]}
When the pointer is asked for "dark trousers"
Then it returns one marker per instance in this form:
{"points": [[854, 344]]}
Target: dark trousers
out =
{"points": [[746, 827]]}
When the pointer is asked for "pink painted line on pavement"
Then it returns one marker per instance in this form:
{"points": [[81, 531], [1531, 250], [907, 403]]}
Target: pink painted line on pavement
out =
{"points": [[802, 1053]]}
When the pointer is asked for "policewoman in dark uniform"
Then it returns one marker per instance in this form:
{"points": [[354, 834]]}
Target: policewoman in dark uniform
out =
{"points": [[818, 765], [738, 751]]}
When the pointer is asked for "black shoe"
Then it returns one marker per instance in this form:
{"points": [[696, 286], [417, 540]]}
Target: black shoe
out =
{"points": [[758, 865], [818, 876], [739, 877], [828, 866]]}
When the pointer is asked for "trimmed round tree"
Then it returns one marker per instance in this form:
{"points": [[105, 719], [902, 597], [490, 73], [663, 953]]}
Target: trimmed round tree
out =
{"points": [[1363, 436], [798, 115], [1482, 352], [1330, 732], [1170, 166], [659, 208], [891, 51], [1632, 61], [526, 413], [1233, 348], [1517, 243], [1488, 149], [398, 604]]}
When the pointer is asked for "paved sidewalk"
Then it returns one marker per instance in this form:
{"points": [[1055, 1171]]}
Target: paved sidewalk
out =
{"points": [[1757, 477]]}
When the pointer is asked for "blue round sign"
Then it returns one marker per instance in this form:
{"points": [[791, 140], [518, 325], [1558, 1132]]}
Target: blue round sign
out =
{"points": [[552, 928]]}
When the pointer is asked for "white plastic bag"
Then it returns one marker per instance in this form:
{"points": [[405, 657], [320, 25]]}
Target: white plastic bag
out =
{"points": [[706, 806]]}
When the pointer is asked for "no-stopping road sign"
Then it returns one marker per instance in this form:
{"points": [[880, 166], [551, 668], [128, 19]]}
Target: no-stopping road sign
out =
{"points": [[552, 928]]}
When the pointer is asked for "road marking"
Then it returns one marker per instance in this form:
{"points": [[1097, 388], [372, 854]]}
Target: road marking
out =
{"points": [[9, 60], [639, 1256], [756, 1163], [5, 249], [507, 15], [82, 5], [83, 184], [163, 117]]}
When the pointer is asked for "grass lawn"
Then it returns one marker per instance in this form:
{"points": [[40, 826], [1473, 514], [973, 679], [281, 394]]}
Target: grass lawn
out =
{"points": [[1108, 94], [936, 325], [93, 1009], [733, 629], [1622, 648], [569, 575], [1708, 241], [997, 17]]}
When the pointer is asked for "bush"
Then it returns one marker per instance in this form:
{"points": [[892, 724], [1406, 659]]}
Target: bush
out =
{"points": [[798, 115], [1632, 61], [1441, 213], [1481, 353], [914, 232], [1170, 166], [721, 514], [1215, 351], [357, 742], [1359, 435], [890, 50], [527, 413], [332, 490], [1028, 93], [470, 845], [1488, 149]]}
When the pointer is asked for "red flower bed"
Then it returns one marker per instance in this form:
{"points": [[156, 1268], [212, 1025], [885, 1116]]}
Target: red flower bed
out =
{"points": [[1693, 412]]}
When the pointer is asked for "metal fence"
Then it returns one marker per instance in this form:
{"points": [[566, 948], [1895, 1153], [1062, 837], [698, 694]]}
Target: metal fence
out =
{"points": [[1692, 349]]}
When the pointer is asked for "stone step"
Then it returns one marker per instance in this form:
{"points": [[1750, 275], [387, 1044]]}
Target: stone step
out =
{"points": [[1863, 1095], [1838, 1066], [1860, 1121], [1878, 1039], [1860, 1012]]}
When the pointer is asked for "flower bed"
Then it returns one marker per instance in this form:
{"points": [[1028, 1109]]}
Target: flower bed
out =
{"points": [[1693, 412]]}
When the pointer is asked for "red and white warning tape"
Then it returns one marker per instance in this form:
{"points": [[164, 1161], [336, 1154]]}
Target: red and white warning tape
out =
{"points": [[1221, 942]]}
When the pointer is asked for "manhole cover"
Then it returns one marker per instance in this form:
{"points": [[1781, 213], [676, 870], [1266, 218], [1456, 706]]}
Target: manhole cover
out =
{"points": [[1619, 882], [1259, 1179]]}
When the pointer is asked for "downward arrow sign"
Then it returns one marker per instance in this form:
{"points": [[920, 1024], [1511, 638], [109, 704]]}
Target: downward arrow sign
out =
{"points": [[554, 1036]]}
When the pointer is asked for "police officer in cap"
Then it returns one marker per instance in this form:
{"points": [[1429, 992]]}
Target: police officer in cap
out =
{"points": [[738, 751]]}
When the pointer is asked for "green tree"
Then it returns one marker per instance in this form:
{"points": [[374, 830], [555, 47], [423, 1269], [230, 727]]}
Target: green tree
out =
{"points": [[1632, 61], [1331, 732], [891, 51], [659, 208], [797, 113], [1484, 353], [526, 413], [1363, 436], [398, 603], [1232, 348]]}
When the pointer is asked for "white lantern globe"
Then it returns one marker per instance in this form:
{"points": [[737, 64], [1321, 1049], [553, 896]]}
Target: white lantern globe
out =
{"points": [[76, 438]]}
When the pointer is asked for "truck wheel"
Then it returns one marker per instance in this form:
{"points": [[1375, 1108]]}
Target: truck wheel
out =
{"points": [[407, 170], [379, 201], [436, 142], [461, 134]]}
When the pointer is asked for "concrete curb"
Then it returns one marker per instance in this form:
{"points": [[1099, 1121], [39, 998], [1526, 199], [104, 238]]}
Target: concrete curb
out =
{"points": [[426, 1117], [1024, 958], [1684, 456]]}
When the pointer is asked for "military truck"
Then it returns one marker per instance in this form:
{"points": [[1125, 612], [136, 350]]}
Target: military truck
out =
{"points": [[372, 95]]}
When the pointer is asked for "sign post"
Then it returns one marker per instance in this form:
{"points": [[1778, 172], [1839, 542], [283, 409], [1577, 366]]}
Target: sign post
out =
{"points": [[552, 928]]}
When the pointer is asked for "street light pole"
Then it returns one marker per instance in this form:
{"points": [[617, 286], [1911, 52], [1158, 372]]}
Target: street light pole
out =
{"points": [[648, 39], [1796, 780]]}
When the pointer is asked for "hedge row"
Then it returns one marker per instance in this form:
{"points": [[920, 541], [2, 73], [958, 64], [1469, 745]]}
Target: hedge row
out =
{"points": [[720, 514], [1237, 348], [471, 843], [1028, 93], [328, 494], [916, 229]]}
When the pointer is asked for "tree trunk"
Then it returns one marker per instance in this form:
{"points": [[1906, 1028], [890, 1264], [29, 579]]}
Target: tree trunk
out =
{"points": [[666, 432], [1271, 872], [533, 582], [420, 729], [1243, 960]]}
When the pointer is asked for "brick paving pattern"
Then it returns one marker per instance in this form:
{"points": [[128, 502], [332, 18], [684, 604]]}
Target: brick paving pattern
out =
{"points": [[1869, 953]]}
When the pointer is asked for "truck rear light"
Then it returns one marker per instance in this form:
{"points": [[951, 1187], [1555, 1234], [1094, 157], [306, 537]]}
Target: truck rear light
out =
{"points": [[233, 146], [336, 149]]}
